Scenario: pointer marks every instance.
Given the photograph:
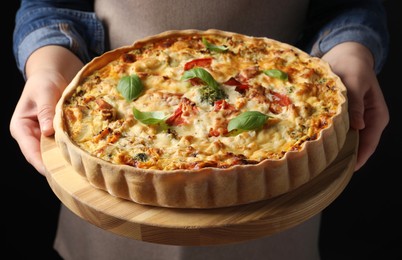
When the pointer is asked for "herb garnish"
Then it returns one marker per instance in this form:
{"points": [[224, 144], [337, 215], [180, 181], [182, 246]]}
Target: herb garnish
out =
{"points": [[213, 47], [130, 87], [246, 121], [212, 91], [275, 73], [149, 118]]}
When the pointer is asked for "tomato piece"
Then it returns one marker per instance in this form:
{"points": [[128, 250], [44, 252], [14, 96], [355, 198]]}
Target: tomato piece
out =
{"points": [[203, 62], [223, 104], [281, 99], [217, 132], [232, 82], [240, 87], [176, 118], [186, 107]]}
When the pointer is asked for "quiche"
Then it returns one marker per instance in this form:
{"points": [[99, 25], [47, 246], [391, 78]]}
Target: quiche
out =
{"points": [[202, 119]]}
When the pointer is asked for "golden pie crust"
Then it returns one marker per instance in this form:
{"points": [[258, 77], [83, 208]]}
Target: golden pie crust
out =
{"points": [[207, 187]]}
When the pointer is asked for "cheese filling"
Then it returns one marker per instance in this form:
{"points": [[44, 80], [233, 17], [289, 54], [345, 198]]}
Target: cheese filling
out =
{"points": [[193, 131]]}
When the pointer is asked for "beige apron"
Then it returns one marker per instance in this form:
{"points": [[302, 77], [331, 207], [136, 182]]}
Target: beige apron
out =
{"points": [[127, 21]]}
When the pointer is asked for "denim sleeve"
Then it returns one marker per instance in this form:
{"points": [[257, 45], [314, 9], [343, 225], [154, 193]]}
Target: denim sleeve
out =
{"points": [[38, 24], [333, 22]]}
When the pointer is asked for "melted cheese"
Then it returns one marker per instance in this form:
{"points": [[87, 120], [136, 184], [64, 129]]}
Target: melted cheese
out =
{"points": [[101, 121]]}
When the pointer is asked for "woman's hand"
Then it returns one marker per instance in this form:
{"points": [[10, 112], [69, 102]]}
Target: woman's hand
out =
{"points": [[368, 110], [49, 71]]}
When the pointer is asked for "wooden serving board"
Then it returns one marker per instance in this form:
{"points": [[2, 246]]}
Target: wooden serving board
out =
{"points": [[197, 226]]}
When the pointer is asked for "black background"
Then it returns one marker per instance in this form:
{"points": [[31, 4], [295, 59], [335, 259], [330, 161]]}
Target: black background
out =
{"points": [[364, 222]]}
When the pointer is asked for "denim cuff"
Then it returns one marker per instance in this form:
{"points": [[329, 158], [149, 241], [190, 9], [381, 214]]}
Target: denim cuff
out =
{"points": [[41, 37], [80, 32], [352, 33]]}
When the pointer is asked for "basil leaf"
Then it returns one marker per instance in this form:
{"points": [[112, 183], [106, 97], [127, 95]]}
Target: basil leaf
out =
{"points": [[201, 74], [213, 47], [210, 93], [249, 120], [274, 73], [130, 87], [149, 118]]}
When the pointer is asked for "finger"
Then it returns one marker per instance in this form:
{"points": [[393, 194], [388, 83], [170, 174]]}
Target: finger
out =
{"points": [[46, 103], [25, 127], [355, 104], [368, 141], [28, 135], [376, 117]]}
